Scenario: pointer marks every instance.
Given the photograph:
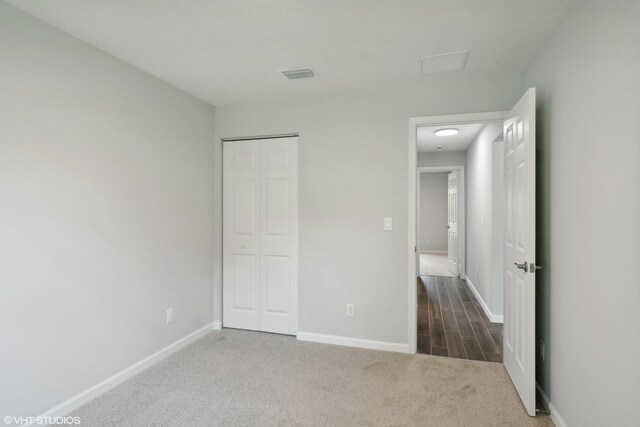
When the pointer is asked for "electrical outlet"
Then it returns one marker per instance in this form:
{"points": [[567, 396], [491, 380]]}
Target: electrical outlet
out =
{"points": [[169, 315], [542, 350], [477, 274], [351, 310], [428, 240]]}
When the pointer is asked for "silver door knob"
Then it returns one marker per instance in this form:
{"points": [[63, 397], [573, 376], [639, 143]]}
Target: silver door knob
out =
{"points": [[524, 266], [242, 245], [533, 267]]}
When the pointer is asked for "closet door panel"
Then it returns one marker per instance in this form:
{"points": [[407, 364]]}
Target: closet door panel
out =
{"points": [[241, 235], [279, 235]]}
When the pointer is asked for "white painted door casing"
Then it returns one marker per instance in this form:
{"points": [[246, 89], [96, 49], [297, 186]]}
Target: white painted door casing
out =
{"points": [[520, 247], [452, 223], [260, 235]]}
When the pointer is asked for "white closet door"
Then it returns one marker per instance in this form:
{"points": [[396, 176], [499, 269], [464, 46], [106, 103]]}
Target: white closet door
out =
{"points": [[241, 235], [279, 235], [260, 237]]}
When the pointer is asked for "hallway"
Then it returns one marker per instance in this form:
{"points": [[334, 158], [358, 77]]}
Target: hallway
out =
{"points": [[451, 322]]}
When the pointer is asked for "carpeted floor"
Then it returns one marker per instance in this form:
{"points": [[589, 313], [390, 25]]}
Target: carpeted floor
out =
{"points": [[241, 378]]}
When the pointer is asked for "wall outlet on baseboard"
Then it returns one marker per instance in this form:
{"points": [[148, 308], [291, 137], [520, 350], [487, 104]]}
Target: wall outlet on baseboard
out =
{"points": [[477, 274], [351, 310], [169, 315]]}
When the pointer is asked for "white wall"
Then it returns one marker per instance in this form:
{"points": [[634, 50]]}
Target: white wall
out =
{"points": [[432, 224], [353, 173], [106, 214], [588, 81], [497, 226], [479, 206], [445, 158]]}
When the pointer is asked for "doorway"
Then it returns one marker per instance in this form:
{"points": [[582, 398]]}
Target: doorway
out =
{"points": [[441, 221], [518, 239]]}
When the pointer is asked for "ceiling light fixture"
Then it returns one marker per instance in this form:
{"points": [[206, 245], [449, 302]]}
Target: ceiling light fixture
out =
{"points": [[439, 147], [447, 132]]}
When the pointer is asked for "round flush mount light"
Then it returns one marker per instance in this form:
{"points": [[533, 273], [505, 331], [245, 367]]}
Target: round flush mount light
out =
{"points": [[439, 147], [447, 132]]}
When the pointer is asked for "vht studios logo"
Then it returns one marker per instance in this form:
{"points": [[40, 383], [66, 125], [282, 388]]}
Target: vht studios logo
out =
{"points": [[41, 420]]}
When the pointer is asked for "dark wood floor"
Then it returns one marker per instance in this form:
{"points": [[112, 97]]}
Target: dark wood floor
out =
{"points": [[452, 323]]}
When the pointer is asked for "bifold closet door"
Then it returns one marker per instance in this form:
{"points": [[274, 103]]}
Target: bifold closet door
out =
{"points": [[260, 235]]}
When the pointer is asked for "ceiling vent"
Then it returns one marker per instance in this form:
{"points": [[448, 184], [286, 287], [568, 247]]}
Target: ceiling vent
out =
{"points": [[299, 73], [454, 61]]}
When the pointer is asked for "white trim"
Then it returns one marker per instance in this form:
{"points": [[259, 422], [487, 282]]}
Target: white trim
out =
{"points": [[423, 251], [412, 257], [102, 387], [412, 261], [217, 326], [554, 414], [353, 342], [495, 318]]}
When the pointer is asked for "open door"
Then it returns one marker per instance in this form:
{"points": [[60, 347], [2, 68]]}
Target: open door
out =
{"points": [[452, 223], [520, 248]]}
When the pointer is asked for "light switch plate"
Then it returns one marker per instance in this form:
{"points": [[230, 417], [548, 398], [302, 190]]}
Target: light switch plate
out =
{"points": [[388, 224]]}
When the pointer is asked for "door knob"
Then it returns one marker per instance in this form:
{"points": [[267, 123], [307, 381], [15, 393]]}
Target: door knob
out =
{"points": [[524, 266], [242, 245]]}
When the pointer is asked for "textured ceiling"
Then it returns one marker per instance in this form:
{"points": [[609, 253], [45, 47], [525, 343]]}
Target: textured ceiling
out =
{"points": [[230, 51], [428, 141]]}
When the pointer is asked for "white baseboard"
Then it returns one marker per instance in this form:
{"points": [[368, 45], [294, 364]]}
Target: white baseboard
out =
{"points": [[554, 414], [424, 251], [217, 326], [91, 393], [353, 342], [494, 318]]}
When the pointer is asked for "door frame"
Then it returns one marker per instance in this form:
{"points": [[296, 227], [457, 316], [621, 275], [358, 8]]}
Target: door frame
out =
{"points": [[414, 124], [461, 211], [297, 228]]}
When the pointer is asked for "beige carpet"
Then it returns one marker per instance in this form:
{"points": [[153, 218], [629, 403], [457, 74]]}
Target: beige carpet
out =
{"points": [[435, 265], [239, 378]]}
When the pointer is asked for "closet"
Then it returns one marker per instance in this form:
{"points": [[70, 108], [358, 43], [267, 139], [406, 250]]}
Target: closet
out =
{"points": [[260, 234]]}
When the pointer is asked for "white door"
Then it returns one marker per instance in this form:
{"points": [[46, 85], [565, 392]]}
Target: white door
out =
{"points": [[279, 235], [520, 248], [260, 235], [452, 223]]}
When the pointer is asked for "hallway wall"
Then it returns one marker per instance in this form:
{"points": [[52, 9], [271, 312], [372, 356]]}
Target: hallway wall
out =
{"points": [[433, 212], [480, 250]]}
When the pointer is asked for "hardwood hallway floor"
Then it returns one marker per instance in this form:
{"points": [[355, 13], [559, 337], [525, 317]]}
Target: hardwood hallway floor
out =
{"points": [[452, 323]]}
